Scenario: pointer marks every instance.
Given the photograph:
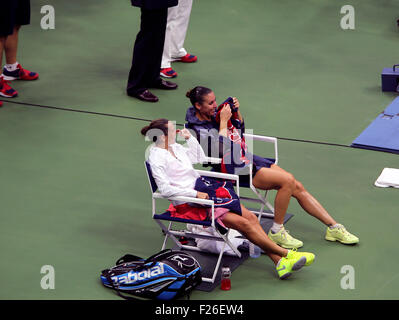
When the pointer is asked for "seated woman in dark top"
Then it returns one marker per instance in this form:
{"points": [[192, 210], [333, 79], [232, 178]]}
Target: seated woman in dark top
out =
{"points": [[220, 132]]}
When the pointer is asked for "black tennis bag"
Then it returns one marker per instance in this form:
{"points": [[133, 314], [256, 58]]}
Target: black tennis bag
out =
{"points": [[165, 276]]}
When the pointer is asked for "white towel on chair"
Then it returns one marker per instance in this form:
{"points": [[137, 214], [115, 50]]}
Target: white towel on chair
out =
{"points": [[389, 177], [214, 246]]}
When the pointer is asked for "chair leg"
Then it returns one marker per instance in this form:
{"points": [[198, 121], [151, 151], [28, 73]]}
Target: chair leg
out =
{"points": [[260, 213], [168, 234], [267, 204], [262, 200], [228, 242], [215, 272], [165, 241], [217, 266]]}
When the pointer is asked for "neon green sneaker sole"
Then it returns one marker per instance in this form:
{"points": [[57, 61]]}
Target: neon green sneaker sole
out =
{"points": [[342, 240], [340, 234], [293, 254], [286, 266]]}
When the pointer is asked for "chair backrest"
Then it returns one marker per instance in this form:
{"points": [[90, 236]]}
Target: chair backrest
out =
{"points": [[151, 179]]}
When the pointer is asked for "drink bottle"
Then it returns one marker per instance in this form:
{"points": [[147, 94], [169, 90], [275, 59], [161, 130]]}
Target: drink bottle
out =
{"points": [[226, 274], [254, 250]]}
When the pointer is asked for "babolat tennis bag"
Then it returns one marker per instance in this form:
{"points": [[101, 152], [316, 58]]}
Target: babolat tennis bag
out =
{"points": [[164, 276]]}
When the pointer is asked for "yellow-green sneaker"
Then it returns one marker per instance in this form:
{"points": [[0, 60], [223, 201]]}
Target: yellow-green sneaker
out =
{"points": [[293, 254], [339, 233], [284, 239], [285, 266]]}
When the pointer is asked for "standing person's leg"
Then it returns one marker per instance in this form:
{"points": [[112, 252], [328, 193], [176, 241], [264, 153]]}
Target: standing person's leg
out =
{"points": [[2, 41], [5, 89], [2, 45], [137, 75], [7, 22], [11, 47], [169, 34], [180, 27], [157, 36], [13, 70], [147, 55]]}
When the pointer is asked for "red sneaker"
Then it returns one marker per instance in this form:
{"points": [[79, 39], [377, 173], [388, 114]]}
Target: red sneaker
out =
{"points": [[6, 90], [1, 103], [168, 73], [20, 73], [188, 58]]}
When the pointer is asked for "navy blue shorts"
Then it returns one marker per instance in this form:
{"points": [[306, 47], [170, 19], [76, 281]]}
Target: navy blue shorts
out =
{"points": [[257, 163], [13, 13]]}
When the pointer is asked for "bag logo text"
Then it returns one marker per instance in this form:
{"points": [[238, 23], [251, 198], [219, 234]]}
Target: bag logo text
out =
{"points": [[132, 276]]}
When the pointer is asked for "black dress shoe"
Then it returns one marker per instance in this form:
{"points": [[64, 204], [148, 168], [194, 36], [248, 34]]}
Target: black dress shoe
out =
{"points": [[145, 96], [166, 85]]}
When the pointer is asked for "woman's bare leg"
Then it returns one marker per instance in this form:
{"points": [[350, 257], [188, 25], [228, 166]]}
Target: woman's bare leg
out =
{"points": [[248, 224], [2, 44], [270, 178], [307, 201]]}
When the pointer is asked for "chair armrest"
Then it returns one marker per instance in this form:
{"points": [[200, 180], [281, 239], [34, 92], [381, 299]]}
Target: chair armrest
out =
{"points": [[212, 160], [214, 174], [157, 195], [265, 139], [261, 138]]}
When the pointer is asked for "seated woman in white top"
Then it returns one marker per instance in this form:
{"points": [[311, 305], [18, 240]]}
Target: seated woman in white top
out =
{"points": [[172, 169]]}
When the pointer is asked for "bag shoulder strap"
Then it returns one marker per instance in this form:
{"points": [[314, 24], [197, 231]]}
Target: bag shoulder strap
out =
{"points": [[128, 258], [159, 256]]}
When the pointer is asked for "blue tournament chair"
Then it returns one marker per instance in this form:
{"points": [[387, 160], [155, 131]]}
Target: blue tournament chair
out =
{"points": [[165, 220], [261, 199], [258, 196]]}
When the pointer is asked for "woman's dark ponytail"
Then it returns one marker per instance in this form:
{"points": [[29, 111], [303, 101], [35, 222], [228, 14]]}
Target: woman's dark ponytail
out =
{"points": [[197, 94]]}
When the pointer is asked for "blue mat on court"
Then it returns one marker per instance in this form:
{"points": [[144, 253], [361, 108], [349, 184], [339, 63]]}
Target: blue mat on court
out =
{"points": [[383, 133]]}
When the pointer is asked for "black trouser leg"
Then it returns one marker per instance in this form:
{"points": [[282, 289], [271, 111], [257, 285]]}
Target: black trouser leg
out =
{"points": [[147, 52]]}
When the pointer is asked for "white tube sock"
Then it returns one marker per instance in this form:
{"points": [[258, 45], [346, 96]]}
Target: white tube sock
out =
{"points": [[276, 227], [11, 67]]}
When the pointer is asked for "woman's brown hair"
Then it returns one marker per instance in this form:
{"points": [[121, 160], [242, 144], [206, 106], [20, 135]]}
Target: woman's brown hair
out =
{"points": [[160, 124], [197, 94]]}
